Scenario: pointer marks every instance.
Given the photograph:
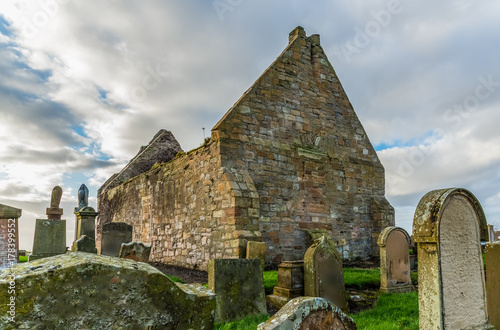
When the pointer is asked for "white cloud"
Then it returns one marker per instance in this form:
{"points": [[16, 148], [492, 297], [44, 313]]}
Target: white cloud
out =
{"points": [[67, 82]]}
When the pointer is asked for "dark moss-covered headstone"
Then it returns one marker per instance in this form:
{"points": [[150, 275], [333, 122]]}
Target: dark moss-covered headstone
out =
{"points": [[323, 275], [113, 235], [86, 291], [239, 287]]}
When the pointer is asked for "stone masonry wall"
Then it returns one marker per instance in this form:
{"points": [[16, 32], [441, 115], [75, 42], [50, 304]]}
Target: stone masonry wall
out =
{"points": [[191, 209], [288, 157], [312, 163]]}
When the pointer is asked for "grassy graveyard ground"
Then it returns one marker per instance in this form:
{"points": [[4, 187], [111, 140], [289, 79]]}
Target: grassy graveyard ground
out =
{"points": [[368, 308]]}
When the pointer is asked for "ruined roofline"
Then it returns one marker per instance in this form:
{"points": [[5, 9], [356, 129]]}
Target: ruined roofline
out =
{"points": [[141, 152]]}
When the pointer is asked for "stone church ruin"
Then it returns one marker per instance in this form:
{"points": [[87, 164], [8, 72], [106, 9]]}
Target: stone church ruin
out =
{"points": [[289, 158]]}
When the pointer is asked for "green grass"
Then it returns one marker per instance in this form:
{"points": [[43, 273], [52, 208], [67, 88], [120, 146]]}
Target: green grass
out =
{"points": [[175, 279], [362, 278], [23, 259], [270, 280], [392, 311], [250, 322]]}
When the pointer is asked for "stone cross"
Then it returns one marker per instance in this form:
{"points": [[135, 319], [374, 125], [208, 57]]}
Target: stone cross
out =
{"points": [[448, 227]]}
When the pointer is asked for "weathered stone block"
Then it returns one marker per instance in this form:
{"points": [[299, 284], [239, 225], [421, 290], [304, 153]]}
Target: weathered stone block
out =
{"points": [[395, 260], [9, 235], [492, 251], [113, 235], [85, 222], [81, 290], [309, 313], [323, 275], [84, 244], [50, 238], [136, 251], [290, 283], [239, 287], [448, 227], [257, 250]]}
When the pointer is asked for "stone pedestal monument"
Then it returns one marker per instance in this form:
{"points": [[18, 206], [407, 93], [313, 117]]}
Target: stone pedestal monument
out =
{"points": [[50, 233], [85, 219]]}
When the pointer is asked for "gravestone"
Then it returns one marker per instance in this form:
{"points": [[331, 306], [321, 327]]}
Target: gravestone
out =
{"points": [[113, 235], [136, 251], [239, 288], [309, 313], [9, 235], [394, 260], [492, 251], [85, 291], [84, 244], [323, 275], [50, 233], [84, 221], [448, 227], [257, 250], [491, 233], [290, 283]]}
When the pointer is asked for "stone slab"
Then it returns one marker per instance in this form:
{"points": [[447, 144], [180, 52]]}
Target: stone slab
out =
{"points": [[113, 235], [136, 251], [239, 287], [50, 238], [492, 251], [448, 227], [86, 291], [9, 235], [257, 250], [309, 313], [84, 244], [85, 222]]}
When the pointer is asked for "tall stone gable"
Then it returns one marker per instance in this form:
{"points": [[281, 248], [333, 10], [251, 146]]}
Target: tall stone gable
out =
{"points": [[288, 158]]}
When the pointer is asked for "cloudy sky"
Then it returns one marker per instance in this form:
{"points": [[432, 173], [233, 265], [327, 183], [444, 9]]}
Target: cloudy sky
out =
{"points": [[84, 84]]}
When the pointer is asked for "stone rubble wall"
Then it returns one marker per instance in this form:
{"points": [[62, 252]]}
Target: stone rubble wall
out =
{"points": [[190, 210]]}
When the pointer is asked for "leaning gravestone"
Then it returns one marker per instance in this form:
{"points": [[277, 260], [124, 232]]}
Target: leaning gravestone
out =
{"points": [[84, 244], [323, 275], [9, 235], [448, 227], [394, 260], [239, 287], [50, 233], [136, 251], [113, 235], [85, 291], [492, 252], [309, 313]]}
